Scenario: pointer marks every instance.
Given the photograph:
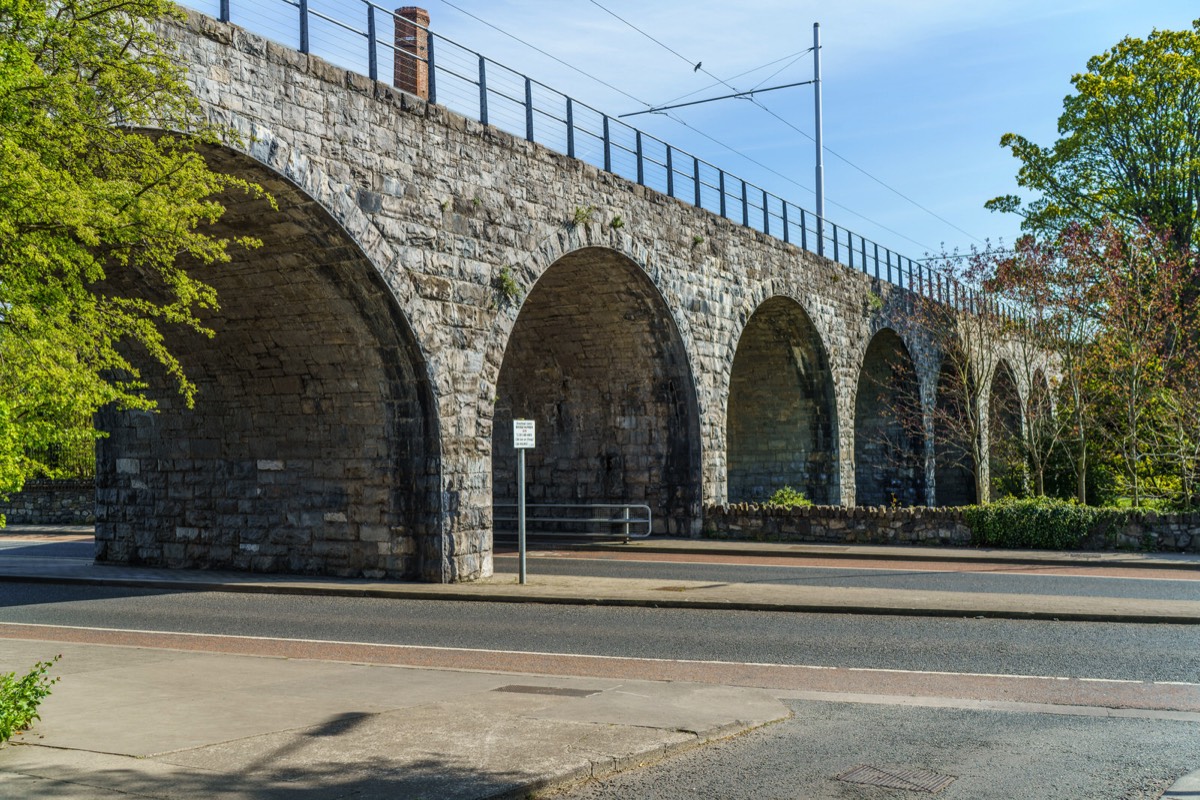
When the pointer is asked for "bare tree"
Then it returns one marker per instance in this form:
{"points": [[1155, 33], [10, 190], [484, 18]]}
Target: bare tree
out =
{"points": [[967, 327]]}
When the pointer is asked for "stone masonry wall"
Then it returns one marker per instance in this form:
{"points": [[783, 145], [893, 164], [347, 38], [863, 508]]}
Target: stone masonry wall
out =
{"points": [[925, 526], [52, 503], [838, 525]]}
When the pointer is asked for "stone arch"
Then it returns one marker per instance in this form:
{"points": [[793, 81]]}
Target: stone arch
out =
{"points": [[889, 447], [595, 357], [953, 433], [1004, 433], [781, 417], [313, 446]]}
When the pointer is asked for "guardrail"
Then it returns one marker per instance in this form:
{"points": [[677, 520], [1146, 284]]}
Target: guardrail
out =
{"points": [[620, 520], [353, 33]]}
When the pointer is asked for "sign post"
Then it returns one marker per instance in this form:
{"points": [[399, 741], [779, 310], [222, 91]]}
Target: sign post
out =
{"points": [[524, 438]]}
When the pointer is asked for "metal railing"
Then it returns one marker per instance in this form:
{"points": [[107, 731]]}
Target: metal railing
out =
{"points": [[613, 520], [353, 34]]}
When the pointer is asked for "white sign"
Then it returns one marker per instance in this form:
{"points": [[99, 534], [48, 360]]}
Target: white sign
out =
{"points": [[523, 434]]}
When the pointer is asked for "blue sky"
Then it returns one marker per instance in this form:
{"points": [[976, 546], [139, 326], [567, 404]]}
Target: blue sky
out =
{"points": [[917, 94]]}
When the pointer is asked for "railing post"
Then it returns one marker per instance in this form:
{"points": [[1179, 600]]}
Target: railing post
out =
{"points": [[607, 147], [431, 70], [803, 231], [696, 178], [670, 173], [862, 243], [850, 247], [625, 526], [745, 207], [303, 26], [835, 239], [783, 211], [766, 215], [372, 56], [528, 110], [887, 254], [570, 127], [721, 187], [876, 260], [641, 168], [224, 10], [483, 115]]}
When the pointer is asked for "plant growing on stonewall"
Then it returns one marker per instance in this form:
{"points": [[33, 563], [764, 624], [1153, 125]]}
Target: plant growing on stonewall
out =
{"points": [[787, 497]]}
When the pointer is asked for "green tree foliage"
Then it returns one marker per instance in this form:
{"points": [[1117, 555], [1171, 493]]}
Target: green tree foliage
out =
{"points": [[88, 190], [1116, 310], [1129, 146]]}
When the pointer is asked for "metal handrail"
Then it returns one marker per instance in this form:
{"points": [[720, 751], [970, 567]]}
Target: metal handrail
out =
{"points": [[817, 235], [621, 524]]}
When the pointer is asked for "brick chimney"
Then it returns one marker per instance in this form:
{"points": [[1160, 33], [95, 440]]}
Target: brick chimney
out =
{"points": [[412, 43]]}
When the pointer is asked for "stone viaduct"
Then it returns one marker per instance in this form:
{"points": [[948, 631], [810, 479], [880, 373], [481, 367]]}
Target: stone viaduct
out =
{"points": [[426, 278]]}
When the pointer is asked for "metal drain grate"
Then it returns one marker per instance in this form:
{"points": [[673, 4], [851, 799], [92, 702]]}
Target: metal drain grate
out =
{"points": [[551, 690], [914, 780]]}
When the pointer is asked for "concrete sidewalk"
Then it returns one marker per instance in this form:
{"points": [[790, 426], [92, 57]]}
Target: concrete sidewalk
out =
{"points": [[902, 553], [159, 723]]}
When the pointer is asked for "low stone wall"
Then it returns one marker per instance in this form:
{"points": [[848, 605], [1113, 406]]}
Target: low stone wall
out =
{"points": [[52, 503], [838, 524], [1145, 531]]}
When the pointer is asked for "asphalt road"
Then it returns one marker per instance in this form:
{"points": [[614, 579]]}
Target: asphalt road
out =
{"points": [[1001, 751], [1087, 650], [988, 755], [987, 578]]}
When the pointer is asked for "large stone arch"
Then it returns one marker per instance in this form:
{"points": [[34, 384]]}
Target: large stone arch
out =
{"points": [[596, 358], [955, 432], [1006, 469], [889, 421], [313, 446], [781, 416]]}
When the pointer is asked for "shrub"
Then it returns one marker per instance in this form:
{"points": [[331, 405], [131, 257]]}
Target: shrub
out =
{"points": [[20, 697], [787, 497], [1038, 522]]}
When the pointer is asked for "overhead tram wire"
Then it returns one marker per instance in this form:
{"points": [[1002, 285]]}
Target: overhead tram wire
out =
{"points": [[555, 58], [808, 136], [675, 118], [776, 72], [882, 183], [795, 56]]}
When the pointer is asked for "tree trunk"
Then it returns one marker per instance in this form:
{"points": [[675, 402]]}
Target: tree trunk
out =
{"points": [[1081, 476]]}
